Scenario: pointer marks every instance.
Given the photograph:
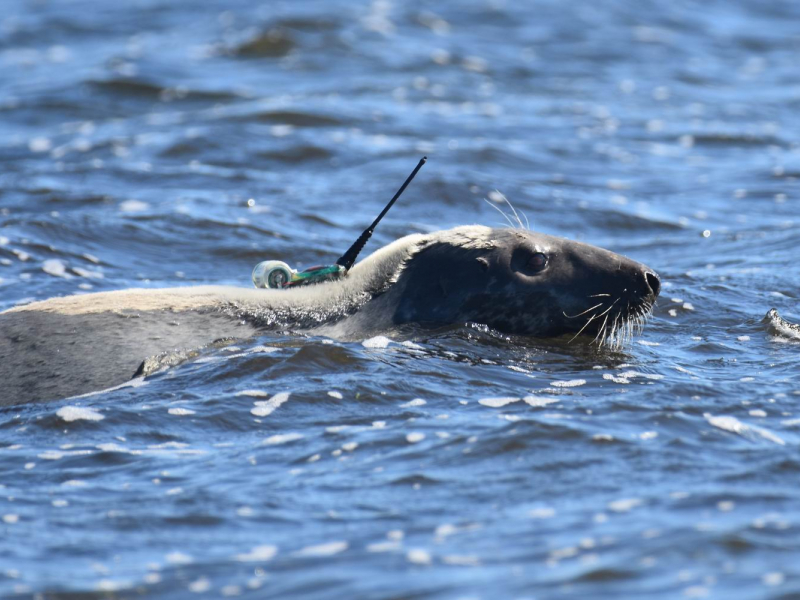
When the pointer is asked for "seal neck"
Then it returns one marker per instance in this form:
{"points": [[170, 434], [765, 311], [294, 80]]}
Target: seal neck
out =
{"points": [[323, 303]]}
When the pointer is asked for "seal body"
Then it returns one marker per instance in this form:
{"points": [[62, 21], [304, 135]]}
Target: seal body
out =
{"points": [[515, 281], [780, 327]]}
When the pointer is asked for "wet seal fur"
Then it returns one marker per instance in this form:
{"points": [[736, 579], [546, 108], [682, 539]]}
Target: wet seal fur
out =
{"points": [[515, 281], [780, 327]]}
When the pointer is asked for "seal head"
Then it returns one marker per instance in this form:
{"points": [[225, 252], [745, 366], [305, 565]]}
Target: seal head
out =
{"points": [[522, 282]]}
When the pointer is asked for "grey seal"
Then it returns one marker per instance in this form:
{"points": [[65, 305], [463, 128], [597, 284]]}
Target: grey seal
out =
{"points": [[515, 281], [780, 327]]}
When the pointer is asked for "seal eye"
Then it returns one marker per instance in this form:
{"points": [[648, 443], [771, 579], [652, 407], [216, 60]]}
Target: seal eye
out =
{"points": [[528, 262], [537, 262]]}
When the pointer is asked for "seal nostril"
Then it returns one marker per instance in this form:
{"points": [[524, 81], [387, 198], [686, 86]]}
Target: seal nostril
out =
{"points": [[653, 282]]}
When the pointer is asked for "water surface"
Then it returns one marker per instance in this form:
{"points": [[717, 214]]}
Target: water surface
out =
{"points": [[156, 144]]}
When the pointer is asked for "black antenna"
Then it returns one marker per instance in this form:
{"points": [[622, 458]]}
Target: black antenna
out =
{"points": [[348, 258]]}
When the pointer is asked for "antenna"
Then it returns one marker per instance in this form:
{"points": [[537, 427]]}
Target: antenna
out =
{"points": [[348, 258]]}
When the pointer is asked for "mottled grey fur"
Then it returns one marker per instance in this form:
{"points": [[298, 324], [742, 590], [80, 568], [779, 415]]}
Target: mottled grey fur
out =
{"points": [[780, 327]]}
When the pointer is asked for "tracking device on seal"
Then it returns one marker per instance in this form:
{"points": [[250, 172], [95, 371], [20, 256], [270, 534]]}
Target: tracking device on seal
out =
{"points": [[275, 274]]}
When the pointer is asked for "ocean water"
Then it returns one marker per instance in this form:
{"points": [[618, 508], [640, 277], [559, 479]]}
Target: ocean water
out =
{"points": [[152, 144]]}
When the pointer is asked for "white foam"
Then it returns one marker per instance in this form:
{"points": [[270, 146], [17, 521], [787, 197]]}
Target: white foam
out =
{"points": [[570, 383], [39, 144], [200, 586], [498, 402], [418, 556], [412, 345], [56, 268], [379, 341], [131, 206], [773, 578], [112, 447], [337, 395], [388, 546], [537, 401], [178, 558], [624, 504], [336, 428], [544, 512], [726, 505], [414, 402], [112, 585], [734, 425], [282, 438], [258, 554], [181, 411], [413, 438], [50, 455], [79, 413], [252, 393], [328, 549], [88, 274], [626, 376], [266, 408], [262, 350], [461, 560]]}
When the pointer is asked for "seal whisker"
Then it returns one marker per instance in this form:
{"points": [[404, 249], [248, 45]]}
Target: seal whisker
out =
{"points": [[498, 209], [514, 211], [609, 308], [604, 330], [583, 313], [599, 295], [601, 332], [619, 329], [615, 333], [582, 328], [527, 223], [608, 335], [623, 333]]}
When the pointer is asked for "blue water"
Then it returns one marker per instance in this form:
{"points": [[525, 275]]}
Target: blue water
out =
{"points": [[154, 144]]}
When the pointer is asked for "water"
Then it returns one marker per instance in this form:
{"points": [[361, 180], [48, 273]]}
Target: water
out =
{"points": [[157, 144]]}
